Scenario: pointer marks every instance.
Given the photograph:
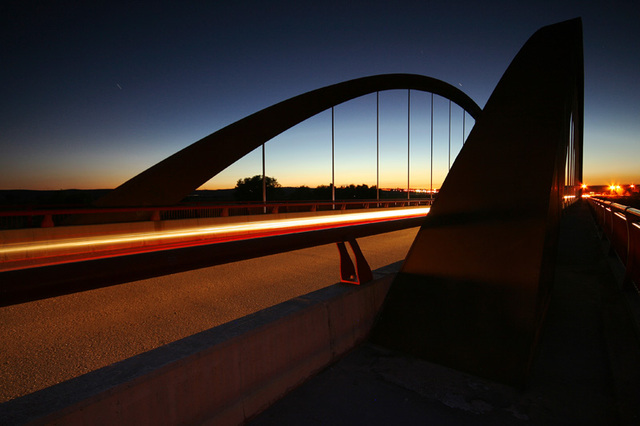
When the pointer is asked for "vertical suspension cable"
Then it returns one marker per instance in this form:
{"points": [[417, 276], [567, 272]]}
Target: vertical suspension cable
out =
{"points": [[568, 163], [431, 156], [464, 139], [572, 151], [569, 160], [574, 181], [333, 163], [449, 135], [566, 169], [408, 143], [572, 156], [378, 146], [264, 180]]}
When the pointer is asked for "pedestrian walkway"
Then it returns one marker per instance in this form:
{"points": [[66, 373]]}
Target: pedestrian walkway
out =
{"points": [[586, 372]]}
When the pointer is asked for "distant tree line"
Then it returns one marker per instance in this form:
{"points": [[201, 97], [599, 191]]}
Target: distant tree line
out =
{"points": [[323, 192], [246, 189], [250, 189]]}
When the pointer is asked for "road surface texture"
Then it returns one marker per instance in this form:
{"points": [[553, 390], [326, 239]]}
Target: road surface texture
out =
{"points": [[48, 341]]}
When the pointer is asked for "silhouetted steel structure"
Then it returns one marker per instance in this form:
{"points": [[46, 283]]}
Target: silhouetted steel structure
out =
{"points": [[474, 288], [169, 181]]}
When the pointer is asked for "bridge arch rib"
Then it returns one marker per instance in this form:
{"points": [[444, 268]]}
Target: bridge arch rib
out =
{"points": [[170, 180]]}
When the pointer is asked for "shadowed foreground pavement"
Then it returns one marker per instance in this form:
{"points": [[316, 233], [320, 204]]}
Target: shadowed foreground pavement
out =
{"points": [[587, 370]]}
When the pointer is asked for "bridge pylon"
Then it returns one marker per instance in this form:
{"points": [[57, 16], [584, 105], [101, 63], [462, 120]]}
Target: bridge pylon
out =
{"points": [[474, 288]]}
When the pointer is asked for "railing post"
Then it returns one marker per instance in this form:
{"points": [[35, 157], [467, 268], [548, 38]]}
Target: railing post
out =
{"points": [[47, 221]]}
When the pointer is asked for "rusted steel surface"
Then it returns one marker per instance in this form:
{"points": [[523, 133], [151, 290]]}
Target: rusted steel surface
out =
{"points": [[474, 288]]}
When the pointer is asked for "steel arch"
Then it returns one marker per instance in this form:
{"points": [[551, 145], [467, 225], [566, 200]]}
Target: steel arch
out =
{"points": [[170, 180]]}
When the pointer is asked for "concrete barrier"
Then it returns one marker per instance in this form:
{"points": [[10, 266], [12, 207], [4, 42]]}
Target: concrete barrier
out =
{"points": [[221, 376]]}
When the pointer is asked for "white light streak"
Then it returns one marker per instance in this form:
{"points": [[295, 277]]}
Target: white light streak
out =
{"points": [[113, 242]]}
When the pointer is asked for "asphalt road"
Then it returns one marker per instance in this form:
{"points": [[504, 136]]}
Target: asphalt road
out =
{"points": [[48, 341]]}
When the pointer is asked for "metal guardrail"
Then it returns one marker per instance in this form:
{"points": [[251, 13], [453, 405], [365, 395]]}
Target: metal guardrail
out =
{"points": [[23, 285], [621, 226], [46, 218]]}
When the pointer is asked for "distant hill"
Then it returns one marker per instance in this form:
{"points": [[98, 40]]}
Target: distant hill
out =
{"points": [[13, 198]]}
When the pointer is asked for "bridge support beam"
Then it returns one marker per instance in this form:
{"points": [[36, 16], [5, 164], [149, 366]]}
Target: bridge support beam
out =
{"points": [[473, 290], [358, 274]]}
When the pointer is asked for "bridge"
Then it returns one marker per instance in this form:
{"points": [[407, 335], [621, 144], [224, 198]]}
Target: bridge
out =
{"points": [[472, 294], [49, 261]]}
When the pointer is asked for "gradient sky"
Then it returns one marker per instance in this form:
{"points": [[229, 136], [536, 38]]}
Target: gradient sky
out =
{"points": [[93, 93]]}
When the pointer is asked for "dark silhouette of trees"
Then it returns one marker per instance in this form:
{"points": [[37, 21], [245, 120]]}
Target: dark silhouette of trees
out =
{"points": [[348, 192], [322, 192], [355, 192], [303, 193], [250, 189]]}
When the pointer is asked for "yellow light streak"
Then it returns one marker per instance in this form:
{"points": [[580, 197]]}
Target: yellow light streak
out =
{"points": [[71, 246]]}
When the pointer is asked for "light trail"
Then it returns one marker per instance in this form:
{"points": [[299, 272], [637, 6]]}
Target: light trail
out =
{"points": [[91, 244]]}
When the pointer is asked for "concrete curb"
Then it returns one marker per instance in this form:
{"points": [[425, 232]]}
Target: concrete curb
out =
{"points": [[224, 375]]}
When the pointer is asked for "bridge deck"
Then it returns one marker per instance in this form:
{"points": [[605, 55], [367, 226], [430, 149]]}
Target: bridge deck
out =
{"points": [[587, 370]]}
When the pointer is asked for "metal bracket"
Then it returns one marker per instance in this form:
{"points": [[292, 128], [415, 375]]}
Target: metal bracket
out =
{"points": [[359, 274]]}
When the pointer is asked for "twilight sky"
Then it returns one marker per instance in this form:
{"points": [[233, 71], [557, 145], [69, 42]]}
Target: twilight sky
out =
{"points": [[95, 92]]}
